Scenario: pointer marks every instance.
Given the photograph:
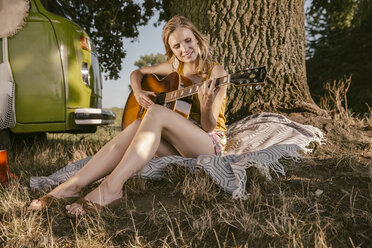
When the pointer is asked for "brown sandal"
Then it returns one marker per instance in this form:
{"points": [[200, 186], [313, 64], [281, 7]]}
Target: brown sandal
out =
{"points": [[48, 201], [93, 208]]}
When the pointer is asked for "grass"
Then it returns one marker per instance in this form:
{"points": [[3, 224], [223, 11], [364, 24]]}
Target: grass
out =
{"points": [[324, 201]]}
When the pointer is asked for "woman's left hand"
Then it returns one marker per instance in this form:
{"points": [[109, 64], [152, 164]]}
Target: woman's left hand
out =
{"points": [[207, 94]]}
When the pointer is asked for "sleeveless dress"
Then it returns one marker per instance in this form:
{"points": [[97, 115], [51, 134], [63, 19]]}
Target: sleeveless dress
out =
{"points": [[218, 135]]}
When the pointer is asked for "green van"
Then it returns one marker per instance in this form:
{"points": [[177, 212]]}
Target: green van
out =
{"points": [[56, 73]]}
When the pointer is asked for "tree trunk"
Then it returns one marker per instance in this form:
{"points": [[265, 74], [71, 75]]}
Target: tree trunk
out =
{"points": [[253, 33]]}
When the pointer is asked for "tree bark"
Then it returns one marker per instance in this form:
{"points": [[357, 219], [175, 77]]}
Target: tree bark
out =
{"points": [[253, 33]]}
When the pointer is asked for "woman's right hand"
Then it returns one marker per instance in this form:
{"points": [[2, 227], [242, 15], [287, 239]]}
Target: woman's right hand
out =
{"points": [[143, 98]]}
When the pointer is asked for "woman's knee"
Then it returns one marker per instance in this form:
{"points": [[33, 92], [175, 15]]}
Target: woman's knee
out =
{"points": [[156, 113], [155, 108]]}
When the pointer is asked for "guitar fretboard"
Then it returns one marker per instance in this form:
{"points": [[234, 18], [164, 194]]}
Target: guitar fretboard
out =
{"points": [[193, 89]]}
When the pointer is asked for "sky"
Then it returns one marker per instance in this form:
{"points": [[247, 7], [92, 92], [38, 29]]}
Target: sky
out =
{"points": [[115, 92]]}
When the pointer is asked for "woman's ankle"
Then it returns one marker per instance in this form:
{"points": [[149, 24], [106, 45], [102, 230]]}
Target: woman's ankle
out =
{"points": [[66, 190], [112, 189]]}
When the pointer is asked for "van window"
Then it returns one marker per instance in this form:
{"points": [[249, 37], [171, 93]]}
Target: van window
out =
{"points": [[55, 7]]}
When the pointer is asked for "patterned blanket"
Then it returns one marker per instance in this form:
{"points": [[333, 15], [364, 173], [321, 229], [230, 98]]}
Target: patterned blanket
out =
{"points": [[258, 140]]}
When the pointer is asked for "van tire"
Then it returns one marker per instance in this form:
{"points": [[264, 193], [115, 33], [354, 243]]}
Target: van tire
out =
{"points": [[28, 139], [5, 139]]}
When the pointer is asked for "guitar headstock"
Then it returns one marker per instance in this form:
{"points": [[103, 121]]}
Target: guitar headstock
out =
{"points": [[249, 76]]}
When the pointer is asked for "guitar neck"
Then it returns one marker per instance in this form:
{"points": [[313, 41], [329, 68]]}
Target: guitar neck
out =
{"points": [[193, 89]]}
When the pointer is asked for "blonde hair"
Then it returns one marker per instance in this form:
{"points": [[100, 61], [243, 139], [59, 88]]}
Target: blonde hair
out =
{"points": [[204, 60]]}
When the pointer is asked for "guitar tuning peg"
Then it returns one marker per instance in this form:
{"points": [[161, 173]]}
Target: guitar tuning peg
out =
{"points": [[258, 87], [250, 87]]}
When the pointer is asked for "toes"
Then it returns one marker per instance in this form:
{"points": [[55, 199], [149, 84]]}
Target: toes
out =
{"points": [[71, 208], [34, 205], [75, 209]]}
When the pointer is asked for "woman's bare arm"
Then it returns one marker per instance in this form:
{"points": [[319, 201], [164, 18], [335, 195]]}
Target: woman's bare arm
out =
{"points": [[136, 76], [211, 100]]}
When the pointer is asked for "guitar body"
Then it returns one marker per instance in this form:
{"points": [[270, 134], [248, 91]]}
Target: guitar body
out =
{"points": [[150, 82], [175, 91]]}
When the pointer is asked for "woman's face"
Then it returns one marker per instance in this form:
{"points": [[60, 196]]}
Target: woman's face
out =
{"points": [[184, 45]]}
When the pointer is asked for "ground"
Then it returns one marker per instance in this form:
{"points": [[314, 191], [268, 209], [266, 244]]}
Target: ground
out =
{"points": [[325, 200]]}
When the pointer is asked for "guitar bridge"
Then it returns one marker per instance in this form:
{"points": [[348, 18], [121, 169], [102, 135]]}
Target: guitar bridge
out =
{"points": [[140, 112]]}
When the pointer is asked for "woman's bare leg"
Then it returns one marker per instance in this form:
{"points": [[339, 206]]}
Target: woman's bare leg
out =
{"points": [[101, 164], [159, 122]]}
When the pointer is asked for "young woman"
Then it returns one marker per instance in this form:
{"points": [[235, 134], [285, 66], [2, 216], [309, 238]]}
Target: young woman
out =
{"points": [[161, 132]]}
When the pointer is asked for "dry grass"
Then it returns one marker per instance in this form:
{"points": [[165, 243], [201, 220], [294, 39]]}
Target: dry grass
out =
{"points": [[324, 201], [335, 102]]}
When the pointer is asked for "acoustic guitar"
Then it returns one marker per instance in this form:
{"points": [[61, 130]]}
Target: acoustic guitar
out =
{"points": [[175, 91]]}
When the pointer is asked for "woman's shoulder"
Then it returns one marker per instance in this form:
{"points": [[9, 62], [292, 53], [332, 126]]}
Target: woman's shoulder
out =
{"points": [[217, 70]]}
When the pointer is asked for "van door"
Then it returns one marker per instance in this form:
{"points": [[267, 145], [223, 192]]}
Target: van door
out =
{"points": [[35, 60]]}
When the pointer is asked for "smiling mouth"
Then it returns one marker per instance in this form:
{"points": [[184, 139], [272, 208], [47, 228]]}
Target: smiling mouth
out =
{"points": [[188, 55]]}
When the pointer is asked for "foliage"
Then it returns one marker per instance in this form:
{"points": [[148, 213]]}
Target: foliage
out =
{"points": [[339, 45], [150, 60], [107, 23]]}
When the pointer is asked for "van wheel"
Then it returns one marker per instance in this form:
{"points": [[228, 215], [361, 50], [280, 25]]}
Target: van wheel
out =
{"points": [[5, 139], [30, 139]]}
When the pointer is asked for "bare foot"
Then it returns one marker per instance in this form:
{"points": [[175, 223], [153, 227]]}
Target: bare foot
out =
{"points": [[36, 205]]}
